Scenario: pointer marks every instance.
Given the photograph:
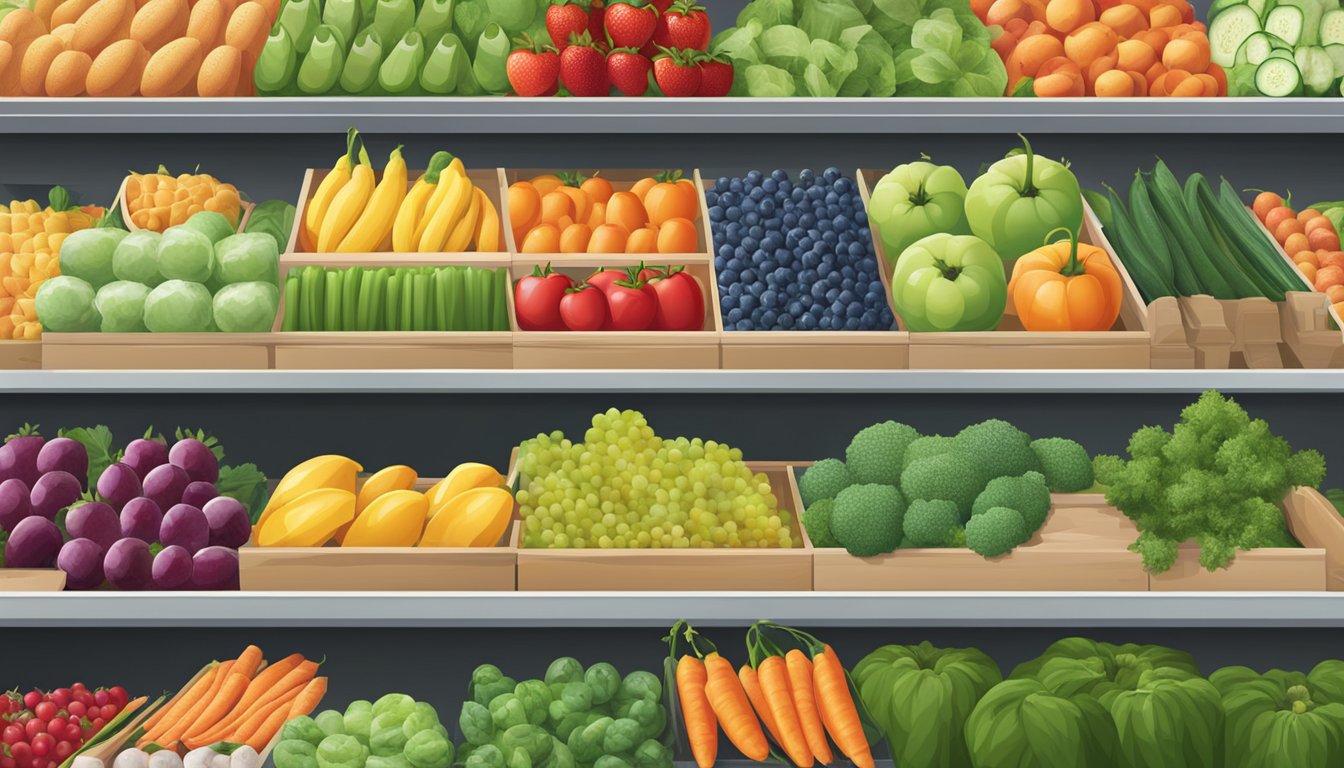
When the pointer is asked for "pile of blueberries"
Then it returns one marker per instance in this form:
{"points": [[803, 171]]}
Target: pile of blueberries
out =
{"points": [[795, 255]]}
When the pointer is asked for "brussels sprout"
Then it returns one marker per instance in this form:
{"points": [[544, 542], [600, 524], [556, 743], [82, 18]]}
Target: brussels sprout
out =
{"points": [[604, 681], [536, 697], [186, 254], [565, 669], [641, 685], [213, 225], [248, 258], [422, 718], [331, 721], [137, 258], [587, 742], [178, 306], [87, 255], [611, 761], [341, 751], [652, 754], [507, 710], [358, 719], [294, 753], [578, 697], [428, 749], [476, 724], [386, 738], [560, 756], [122, 306], [485, 756], [622, 736], [517, 758], [387, 761], [303, 728], [489, 687], [65, 304], [650, 715], [246, 307], [535, 740]]}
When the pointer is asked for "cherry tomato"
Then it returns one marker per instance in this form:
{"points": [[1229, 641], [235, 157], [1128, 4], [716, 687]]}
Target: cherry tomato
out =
{"points": [[98, 724], [56, 726], [77, 709], [63, 750], [72, 732], [681, 302], [43, 744], [536, 299], [604, 278], [584, 308], [108, 711], [61, 697], [118, 696], [46, 710], [100, 698], [31, 699], [35, 726], [22, 752], [632, 306], [7, 762], [12, 734]]}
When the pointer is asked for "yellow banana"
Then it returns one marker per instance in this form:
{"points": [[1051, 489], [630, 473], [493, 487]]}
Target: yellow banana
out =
{"points": [[441, 190], [329, 471], [375, 222], [326, 191], [486, 237], [455, 167], [465, 228], [412, 209], [345, 208], [441, 220]]}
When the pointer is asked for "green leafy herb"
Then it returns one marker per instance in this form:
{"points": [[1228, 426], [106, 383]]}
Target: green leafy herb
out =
{"points": [[274, 218], [97, 442], [245, 483]]}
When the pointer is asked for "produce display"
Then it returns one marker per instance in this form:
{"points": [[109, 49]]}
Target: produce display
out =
{"points": [[453, 298], [157, 201], [195, 276], [30, 245], [632, 299], [615, 489], [1279, 49], [795, 256], [42, 729], [321, 501], [395, 730], [987, 488], [573, 213], [1310, 238]]}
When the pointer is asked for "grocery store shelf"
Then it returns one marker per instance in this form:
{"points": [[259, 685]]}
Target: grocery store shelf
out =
{"points": [[553, 609], [754, 116], [687, 381]]}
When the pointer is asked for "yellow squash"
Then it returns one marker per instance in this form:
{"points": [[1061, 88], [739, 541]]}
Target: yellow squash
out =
{"points": [[394, 519], [464, 477], [319, 472], [475, 518], [375, 223], [307, 521]]}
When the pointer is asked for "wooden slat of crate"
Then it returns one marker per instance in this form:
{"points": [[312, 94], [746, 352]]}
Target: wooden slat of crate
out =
{"points": [[1316, 523], [32, 580], [1306, 318], [157, 351], [20, 355]]}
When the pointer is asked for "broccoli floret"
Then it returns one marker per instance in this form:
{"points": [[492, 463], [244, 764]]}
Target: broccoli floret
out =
{"points": [[866, 519], [823, 480], [996, 531], [875, 453], [1027, 494], [1065, 464], [929, 445], [946, 476], [817, 521], [931, 522], [998, 449]]}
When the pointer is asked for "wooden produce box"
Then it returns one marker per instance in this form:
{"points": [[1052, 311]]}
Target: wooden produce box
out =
{"points": [[20, 355], [689, 570], [123, 207], [1309, 323], [617, 349], [1311, 519], [157, 351], [1009, 346], [621, 180], [826, 350], [32, 580], [1083, 546]]}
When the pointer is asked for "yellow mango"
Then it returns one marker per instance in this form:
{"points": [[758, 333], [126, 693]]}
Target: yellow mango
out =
{"points": [[309, 520], [397, 477], [319, 472], [394, 519], [473, 518], [464, 477]]}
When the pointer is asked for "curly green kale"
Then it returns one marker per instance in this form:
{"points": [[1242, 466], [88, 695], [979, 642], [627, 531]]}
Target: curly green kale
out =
{"points": [[875, 453], [823, 480], [1216, 479]]}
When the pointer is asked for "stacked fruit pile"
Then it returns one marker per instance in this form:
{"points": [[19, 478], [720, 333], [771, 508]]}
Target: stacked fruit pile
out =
{"points": [[30, 246], [160, 200], [43, 729], [573, 213], [634, 299]]}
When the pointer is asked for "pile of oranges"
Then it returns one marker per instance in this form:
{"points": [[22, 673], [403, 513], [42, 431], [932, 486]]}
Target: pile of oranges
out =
{"points": [[572, 213], [1310, 239]]}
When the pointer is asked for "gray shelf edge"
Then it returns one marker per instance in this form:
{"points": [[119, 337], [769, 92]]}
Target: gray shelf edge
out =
{"points": [[694, 381], [627, 609], [753, 116]]}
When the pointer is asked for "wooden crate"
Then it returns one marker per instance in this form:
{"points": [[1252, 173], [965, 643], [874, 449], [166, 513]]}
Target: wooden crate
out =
{"points": [[1309, 324], [157, 351], [690, 570], [1009, 346], [32, 580], [833, 350], [390, 350], [621, 180], [1316, 523], [123, 208], [618, 349], [20, 355]]}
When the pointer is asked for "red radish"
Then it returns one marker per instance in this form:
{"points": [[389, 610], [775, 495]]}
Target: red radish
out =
{"points": [[18, 456], [533, 69], [583, 68], [628, 71], [677, 72]]}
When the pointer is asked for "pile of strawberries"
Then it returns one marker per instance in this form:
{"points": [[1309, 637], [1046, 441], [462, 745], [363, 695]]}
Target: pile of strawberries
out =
{"points": [[598, 47]]}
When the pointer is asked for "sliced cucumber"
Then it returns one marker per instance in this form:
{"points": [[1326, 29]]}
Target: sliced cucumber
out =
{"points": [[1282, 53], [1219, 6], [1262, 7], [1317, 69], [1254, 49], [1278, 78], [1332, 27], [1336, 53], [1229, 31], [1285, 22]]}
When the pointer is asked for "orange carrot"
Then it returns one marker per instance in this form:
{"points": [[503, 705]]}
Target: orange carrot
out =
{"points": [[731, 707], [305, 701], [264, 681], [774, 678], [308, 698], [248, 662], [752, 685], [291, 682], [169, 731], [179, 706], [837, 708], [220, 705], [702, 728], [259, 716], [805, 699]]}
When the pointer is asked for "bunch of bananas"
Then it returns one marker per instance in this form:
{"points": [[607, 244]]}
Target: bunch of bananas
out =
{"points": [[443, 212], [30, 248]]}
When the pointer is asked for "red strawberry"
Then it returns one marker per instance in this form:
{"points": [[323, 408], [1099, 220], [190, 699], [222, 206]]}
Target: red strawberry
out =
{"points": [[533, 68], [677, 72], [628, 71], [630, 23], [662, 5], [597, 13], [565, 18], [716, 76], [683, 25], [583, 68]]}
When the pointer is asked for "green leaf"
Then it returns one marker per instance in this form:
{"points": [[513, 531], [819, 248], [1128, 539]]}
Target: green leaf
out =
{"points": [[97, 442], [274, 218], [245, 483], [1025, 88], [200, 434], [940, 34], [934, 67]]}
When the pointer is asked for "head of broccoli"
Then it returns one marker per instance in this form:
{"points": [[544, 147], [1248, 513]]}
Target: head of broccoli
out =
{"points": [[1027, 494], [948, 476], [866, 519], [875, 453], [926, 446], [1065, 464], [817, 521], [998, 448], [931, 523], [996, 531], [823, 480]]}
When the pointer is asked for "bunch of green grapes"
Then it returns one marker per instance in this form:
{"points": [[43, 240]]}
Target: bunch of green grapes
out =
{"points": [[625, 487]]}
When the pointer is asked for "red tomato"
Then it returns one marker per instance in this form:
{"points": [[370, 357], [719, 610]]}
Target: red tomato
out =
{"points": [[603, 278], [119, 696], [647, 274], [43, 744], [34, 727], [584, 308], [633, 306], [536, 299], [46, 710], [680, 302]]}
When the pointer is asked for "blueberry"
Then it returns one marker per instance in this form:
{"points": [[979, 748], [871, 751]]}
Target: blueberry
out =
{"points": [[848, 271], [834, 279], [766, 207], [727, 199], [806, 176], [779, 175], [754, 177], [824, 323], [734, 315], [806, 221], [831, 199], [807, 323], [852, 324], [748, 276], [719, 264], [735, 186], [735, 288], [861, 218], [771, 186], [756, 232], [749, 243], [797, 194], [831, 174], [818, 290], [846, 297], [857, 250], [721, 184], [771, 241], [785, 321], [807, 301], [816, 194], [743, 325], [833, 297], [785, 186], [716, 213], [773, 223], [733, 213], [747, 302], [751, 218], [735, 263], [756, 289], [789, 220], [728, 277], [840, 222], [848, 284], [769, 317], [822, 247], [793, 290], [725, 251], [757, 194]]}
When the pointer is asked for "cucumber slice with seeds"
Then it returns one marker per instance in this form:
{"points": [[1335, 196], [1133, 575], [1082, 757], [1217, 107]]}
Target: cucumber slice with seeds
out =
{"points": [[1229, 31], [1278, 78], [1285, 22]]}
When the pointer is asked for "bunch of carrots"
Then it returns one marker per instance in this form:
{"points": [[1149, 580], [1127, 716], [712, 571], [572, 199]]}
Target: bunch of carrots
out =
{"points": [[242, 700], [801, 696]]}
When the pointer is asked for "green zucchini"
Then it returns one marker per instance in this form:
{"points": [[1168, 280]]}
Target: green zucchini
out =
{"points": [[1170, 207], [407, 320], [392, 310], [500, 304], [1228, 259], [331, 309], [350, 297], [364, 313], [290, 321]]}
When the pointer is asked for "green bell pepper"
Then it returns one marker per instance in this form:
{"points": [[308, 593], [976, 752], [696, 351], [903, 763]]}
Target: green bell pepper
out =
{"points": [[1020, 199], [321, 69], [950, 283], [916, 200]]}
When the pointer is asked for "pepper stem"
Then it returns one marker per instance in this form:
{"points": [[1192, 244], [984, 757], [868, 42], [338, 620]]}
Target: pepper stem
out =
{"points": [[1074, 267], [1029, 184]]}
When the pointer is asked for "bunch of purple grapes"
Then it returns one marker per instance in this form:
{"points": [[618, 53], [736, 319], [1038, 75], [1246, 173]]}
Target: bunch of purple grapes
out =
{"points": [[161, 523]]}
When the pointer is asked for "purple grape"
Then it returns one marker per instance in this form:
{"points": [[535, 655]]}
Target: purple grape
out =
{"points": [[193, 456], [119, 484], [18, 458], [95, 521], [143, 455], [82, 561], [229, 524], [165, 484], [173, 568], [34, 543], [140, 519], [129, 565], [64, 455], [53, 492], [198, 493], [14, 503], [185, 526], [215, 568]]}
